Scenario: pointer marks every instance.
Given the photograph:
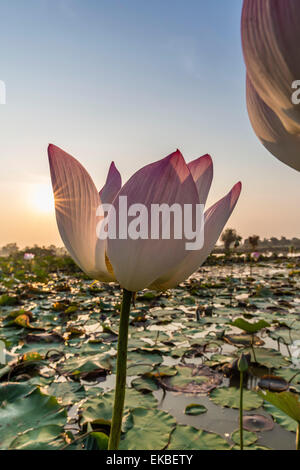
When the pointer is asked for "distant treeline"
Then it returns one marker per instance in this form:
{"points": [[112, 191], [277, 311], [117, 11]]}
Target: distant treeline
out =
{"points": [[232, 242]]}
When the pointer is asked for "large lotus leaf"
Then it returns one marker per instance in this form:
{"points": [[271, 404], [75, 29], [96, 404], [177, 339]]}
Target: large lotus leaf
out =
{"points": [[248, 437], [292, 375], [190, 438], [219, 359], [243, 339], [190, 379], [230, 398], [143, 346], [287, 402], [41, 348], [92, 347], [149, 430], [267, 357], [286, 335], [96, 441], [99, 408], [258, 423], [162, 371], [34, 411], [255, 447], [154, 336], [273, 383], [281, 418], [214, 320], [78, 366], [249, 327], [67, 393], [141, 362], [43, 438], [179, 352], [11, 391], [144, 384]]}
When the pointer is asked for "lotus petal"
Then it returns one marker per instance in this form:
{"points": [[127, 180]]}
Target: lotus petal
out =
{"points": [[202, 171], [76, 203], [112, 186], [270, 39], [269, 129], [137, 263], [216, 218]]}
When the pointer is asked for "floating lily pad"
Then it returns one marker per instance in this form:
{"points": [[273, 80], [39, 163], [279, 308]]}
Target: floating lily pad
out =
{"points": [[67, 393], [42, 438], [96, 441], [195, 409], [11, 391], [248, 437], [190, 379], [162, 371], [99, 408], [290, 375], [256, 423], [140, 363], [273, 383], [144, 384], [32, 412], [267, 357], [149, 430], [281, 418], [87, 368], [230, 398], [285, 335], [244, 339], [190, 438], [254, 447], [250, 327], [287, 402], [219, 359]]}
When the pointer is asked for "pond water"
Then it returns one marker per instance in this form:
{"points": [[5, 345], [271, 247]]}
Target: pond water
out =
{"points": [[174, 333]]}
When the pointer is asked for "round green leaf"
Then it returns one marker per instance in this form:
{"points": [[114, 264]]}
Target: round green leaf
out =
{"points": [[248, 437], [190, 438], [230, 397], [32, 412], [150, 430], [281, 418], [99, 408], [144, 384], [11, 391], [195, 410], [44, 438]]}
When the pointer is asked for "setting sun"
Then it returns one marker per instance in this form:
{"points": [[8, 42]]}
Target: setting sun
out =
{"points": [[41, 198]]}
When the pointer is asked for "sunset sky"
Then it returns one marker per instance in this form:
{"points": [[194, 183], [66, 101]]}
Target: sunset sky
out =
{"points": [[130, 81]]}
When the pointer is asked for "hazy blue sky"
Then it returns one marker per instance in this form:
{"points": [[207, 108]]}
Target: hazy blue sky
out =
{"points": [[130, 81]]}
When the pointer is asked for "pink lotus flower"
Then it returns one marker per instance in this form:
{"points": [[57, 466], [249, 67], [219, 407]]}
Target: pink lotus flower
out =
{"points": [[29, 256], [270, 130], [255, 255], [135, 264], [270, 39]]}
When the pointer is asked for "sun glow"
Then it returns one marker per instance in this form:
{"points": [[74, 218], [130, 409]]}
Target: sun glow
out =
{"points": [[41, 198]]}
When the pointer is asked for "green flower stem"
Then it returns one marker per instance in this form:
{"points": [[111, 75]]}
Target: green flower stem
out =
{"points": [[115, 432], [252, 347], [241, 411], [298, 437]]}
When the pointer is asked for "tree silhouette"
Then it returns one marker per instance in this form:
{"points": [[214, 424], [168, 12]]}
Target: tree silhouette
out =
{"points": [[230, 236], [253, 241]]}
